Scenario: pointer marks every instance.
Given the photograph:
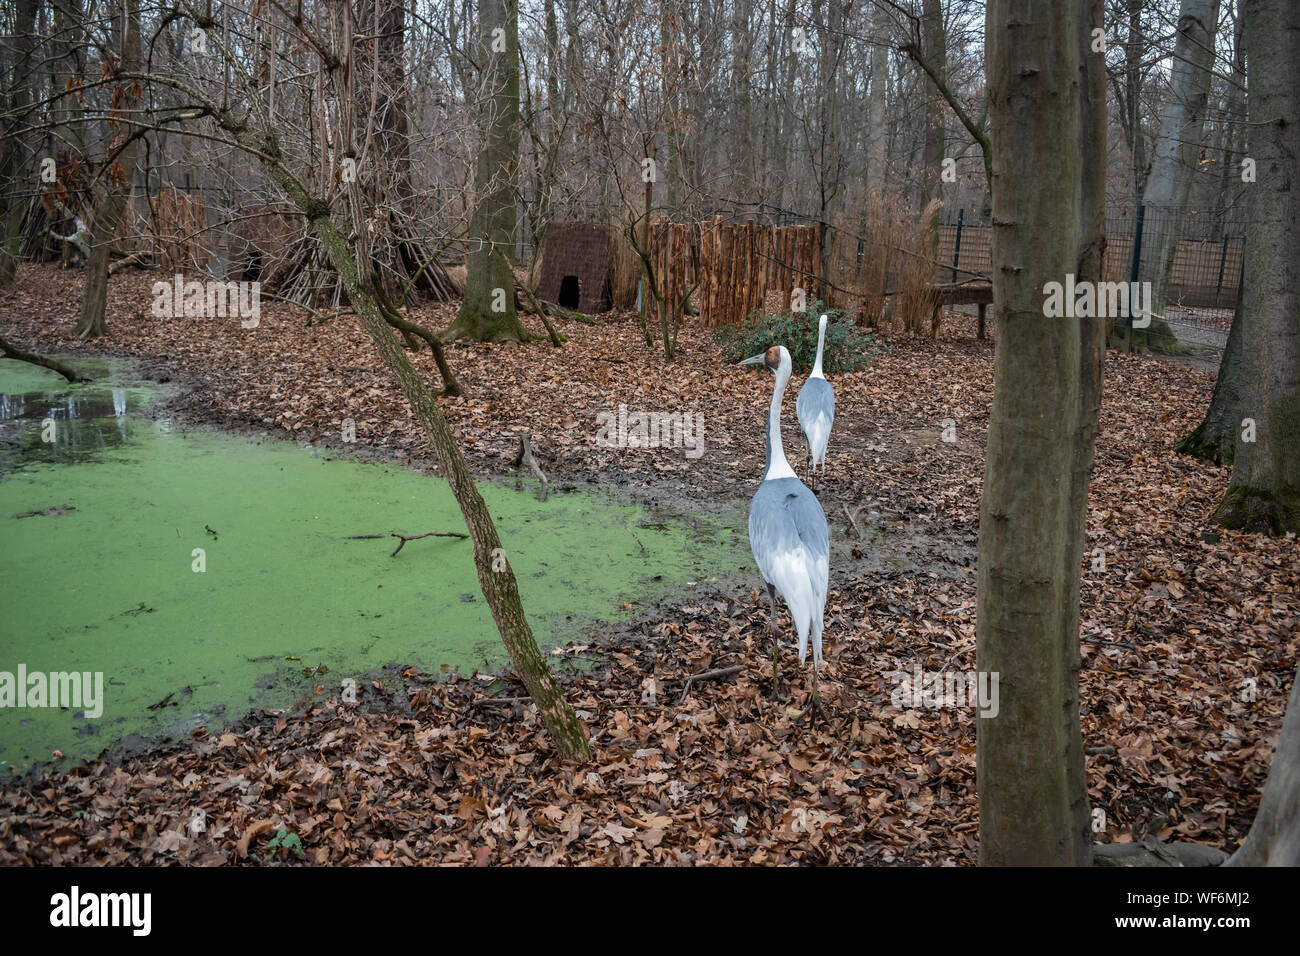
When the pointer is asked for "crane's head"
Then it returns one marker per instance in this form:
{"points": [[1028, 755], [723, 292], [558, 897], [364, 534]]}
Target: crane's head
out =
{"points": [[772, 358]]}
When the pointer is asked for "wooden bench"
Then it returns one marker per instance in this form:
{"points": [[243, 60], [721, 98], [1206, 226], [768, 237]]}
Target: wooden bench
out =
{"points": [[973, 293]]}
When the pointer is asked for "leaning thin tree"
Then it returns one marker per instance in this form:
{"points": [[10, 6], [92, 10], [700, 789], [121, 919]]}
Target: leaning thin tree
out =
{"points": [[248, 130], [1048, 131]]}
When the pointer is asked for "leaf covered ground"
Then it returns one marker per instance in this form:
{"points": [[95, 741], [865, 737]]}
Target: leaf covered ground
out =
{"points": [[1188, 633]]}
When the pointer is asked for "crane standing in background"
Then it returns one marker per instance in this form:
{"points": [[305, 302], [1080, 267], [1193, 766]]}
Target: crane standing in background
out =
{"points": [[788, 534], [815, 407]]}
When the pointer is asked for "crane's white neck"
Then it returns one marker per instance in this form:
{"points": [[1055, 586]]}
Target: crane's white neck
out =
{"points": [[777, 466], [821, 344]]}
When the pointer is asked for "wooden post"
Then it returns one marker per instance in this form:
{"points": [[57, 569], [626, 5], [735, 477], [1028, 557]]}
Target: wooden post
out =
{"points": [[724, 278], [782, 281], [715, 268]]}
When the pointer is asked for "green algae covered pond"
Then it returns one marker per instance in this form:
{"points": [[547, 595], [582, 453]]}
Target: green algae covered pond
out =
{"points": [[203, 574]]}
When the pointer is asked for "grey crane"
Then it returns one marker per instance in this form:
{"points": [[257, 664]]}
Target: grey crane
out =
{"points": [[788, 533], [815, 407]]}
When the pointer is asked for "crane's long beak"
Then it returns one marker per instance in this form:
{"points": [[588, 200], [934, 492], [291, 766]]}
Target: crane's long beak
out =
{"points": [[755, 359]]}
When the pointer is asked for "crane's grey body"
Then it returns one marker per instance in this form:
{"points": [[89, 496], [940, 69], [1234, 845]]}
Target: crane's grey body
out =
{"points": [[788, 535], [787, 528], [815, 406]]}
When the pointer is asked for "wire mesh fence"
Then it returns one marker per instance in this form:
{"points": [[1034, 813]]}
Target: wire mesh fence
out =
{"points": [[1203, 284]]}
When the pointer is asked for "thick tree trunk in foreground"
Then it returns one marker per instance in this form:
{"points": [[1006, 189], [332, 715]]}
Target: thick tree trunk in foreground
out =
{"points": [[112, 216], [1178, 150], [1264, 494], [1274, 837], [488, 313], [1215, 439], [1046, 105]]}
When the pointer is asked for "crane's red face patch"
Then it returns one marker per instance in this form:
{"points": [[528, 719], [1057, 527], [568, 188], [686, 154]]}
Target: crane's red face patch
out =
{"points": [[774, 357]]}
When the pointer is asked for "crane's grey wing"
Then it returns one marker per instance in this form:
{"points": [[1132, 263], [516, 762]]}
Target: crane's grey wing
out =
{"points": [[809, 522], [816, 397], [815, 409]]}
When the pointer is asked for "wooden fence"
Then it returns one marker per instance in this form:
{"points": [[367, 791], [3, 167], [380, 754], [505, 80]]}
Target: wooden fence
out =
{"points": [[179, 221], [736, 266]]}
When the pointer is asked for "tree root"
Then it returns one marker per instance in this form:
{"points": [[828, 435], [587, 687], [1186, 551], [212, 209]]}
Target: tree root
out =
{"points": [[1259, 510], [1151, 852]]}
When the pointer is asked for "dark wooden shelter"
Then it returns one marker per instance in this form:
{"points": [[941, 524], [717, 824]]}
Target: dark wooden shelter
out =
{"points": [[575, 266]]}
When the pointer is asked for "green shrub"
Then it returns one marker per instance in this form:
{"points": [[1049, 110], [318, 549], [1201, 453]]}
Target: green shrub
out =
{"points": [[847, 347]]}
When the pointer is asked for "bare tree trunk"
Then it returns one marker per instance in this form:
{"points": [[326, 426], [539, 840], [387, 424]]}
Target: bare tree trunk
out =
{"points": [[113, 215], [831, 172], [935, 48], [788, 123], [742, 44], [771, 120], [1047, 111], [407, 262], [1264, 495], [876, 137], [1274, 837], [488, 312], [1234, 131], [13, 163], [1178, 150], [1134, 49]]}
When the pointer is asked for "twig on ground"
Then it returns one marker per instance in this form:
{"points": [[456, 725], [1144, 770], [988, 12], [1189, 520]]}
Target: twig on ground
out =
{"points": [[718, 673], [405, 537], [490, 701], [852, 523], [428, 534]]}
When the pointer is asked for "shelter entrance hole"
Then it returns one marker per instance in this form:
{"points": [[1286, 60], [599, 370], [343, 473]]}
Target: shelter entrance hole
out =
{"points": [[570, 292]]}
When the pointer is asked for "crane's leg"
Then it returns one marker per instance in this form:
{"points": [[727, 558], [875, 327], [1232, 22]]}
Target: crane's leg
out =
{"points": [[814, 700], [776, 643]]}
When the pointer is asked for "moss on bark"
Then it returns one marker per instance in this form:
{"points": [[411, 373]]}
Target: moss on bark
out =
{"points": [[1259, 510], [1198, 446], [1159, 337]]}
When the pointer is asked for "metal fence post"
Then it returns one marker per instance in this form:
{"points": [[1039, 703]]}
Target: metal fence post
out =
{"points": [[1241, 273], [1133, 275], [1137, 252], [1223, 257], [956, 246]]}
